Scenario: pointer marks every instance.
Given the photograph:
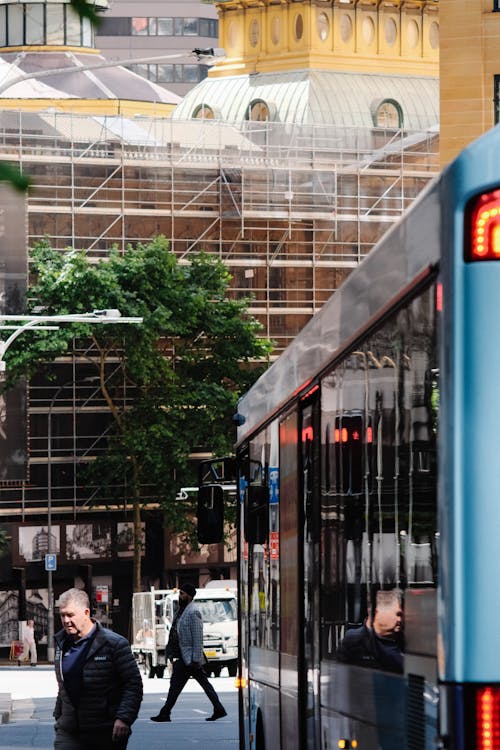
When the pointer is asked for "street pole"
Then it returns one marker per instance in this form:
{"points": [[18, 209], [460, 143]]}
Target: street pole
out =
{"points": [[200, 54], [50, 614], [30, 322], [50, 588]]}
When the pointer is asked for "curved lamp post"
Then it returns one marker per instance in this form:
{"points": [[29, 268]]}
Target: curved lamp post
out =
{"points": [[22, 323]]}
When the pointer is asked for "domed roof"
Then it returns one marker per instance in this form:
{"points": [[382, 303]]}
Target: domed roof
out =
{"points": [[107, 83], [319, 97]]}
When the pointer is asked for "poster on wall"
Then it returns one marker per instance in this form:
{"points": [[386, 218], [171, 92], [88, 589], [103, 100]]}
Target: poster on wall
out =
{"points": [[125, 539], [88, 540], [9, 608], [34, 542]]}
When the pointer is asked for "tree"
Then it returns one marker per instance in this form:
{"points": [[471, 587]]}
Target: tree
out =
{"points": [[185, 366]]}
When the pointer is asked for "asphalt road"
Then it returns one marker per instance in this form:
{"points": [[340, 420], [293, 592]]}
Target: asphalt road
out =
{"points": [[31, 725]]}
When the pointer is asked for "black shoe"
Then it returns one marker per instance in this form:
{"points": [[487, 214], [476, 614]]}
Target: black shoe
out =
{"points": [[217, 715], [160, 717]]}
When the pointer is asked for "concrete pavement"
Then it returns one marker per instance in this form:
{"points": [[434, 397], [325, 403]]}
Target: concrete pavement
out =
{"points": [[33, 691]]}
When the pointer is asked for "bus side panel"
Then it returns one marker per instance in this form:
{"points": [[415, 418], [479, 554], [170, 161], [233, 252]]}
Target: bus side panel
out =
{"points": [[264, 697], [290, 616], [470, 414], [370, 707]]}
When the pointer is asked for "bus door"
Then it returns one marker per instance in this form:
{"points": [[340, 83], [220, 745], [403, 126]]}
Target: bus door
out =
{"points": [[290, 587], [310, 523]]}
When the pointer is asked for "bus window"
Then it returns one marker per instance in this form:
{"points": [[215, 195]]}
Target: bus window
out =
{"points": [[378, 484]]}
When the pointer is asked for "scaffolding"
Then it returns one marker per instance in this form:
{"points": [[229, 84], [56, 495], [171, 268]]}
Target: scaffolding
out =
{"points": [[290, 209]]}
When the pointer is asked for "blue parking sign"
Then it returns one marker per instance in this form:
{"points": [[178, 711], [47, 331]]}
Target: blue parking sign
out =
{"points": [[50, 562]]}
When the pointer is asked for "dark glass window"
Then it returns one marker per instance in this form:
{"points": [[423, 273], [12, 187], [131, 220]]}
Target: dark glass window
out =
{"points": [[190, 27], [141, 26], [115, 27], [379, 512]]}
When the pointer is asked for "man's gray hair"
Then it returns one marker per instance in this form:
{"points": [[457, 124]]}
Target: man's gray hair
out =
{"points": [[78, 596]]}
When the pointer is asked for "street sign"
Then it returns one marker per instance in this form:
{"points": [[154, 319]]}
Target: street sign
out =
{"points": [[102, 594], [50, 562]]}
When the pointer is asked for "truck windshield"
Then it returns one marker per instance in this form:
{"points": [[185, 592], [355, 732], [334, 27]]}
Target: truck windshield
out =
{"points": [[217, 610]]}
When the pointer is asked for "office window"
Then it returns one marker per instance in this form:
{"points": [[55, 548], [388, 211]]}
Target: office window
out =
{"points": [[73, 28], [115, 27], [140, 26], [166, 26], [55, 24], [190, 27], [34, 24], [15, 24], [3, 25], [164, 73]]}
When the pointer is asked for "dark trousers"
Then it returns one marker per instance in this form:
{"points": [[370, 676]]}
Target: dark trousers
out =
{"points": [[102, 741], [180, 676]]}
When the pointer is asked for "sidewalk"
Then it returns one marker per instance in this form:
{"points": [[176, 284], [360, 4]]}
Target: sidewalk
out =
{"points": [[32, 692]]}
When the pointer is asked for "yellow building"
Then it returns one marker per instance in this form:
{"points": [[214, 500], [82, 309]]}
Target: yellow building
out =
{"points": [[469, 71], [360, 63]]}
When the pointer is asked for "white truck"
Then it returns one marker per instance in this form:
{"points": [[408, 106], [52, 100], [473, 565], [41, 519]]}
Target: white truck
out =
{"points": [[152, 615]]}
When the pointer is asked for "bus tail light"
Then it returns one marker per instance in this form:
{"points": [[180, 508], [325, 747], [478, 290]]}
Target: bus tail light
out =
{"points": [[482, 233], [488, 718]]}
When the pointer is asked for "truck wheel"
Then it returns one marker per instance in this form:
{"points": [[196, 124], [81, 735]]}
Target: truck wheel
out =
{"points": [[149, 670], [160, 671], [232, 668], [217, 670]]}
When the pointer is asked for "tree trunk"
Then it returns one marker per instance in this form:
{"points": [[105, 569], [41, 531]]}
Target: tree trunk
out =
{"points": [[137, 572]]}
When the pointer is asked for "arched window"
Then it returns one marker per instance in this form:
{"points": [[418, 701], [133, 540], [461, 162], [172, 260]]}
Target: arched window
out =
{"points": [[388, 114], [203, 112], [258, 111]]}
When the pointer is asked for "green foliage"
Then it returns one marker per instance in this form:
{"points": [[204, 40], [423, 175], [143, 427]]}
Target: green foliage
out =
{"points": [[185, 366], [86, 10], [11, 174]]}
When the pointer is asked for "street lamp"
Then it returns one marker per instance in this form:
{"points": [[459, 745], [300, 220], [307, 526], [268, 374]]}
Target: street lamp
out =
{"points": [[50, 590], [200, 54], [29, 322]]}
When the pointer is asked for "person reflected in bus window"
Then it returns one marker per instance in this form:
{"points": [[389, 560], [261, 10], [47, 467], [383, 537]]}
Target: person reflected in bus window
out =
{"points": [[379, 641]]}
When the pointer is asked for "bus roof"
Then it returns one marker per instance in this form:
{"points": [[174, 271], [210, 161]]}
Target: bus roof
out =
{"points": [[407, 250]]}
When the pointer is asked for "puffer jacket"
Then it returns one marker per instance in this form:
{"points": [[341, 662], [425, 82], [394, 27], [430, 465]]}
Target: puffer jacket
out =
{"points": [[111, 687]]}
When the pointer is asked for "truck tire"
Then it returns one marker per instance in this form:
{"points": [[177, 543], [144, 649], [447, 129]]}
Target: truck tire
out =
{"points": [[149, 670], [232, 668], [216, 669], [160, 671]]}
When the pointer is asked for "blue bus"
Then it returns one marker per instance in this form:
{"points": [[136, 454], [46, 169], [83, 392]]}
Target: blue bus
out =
{"points": [[369, 495]]}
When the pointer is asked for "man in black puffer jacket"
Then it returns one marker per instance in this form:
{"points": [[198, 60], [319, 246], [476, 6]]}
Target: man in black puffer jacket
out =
{"points": [[100, 687]]}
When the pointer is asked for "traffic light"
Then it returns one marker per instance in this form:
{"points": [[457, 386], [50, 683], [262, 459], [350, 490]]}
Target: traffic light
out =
{"points": [[349, 444], [210, 514]]}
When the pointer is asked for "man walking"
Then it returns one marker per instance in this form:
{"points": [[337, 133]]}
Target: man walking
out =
{"points": [[185, 647], [100, 687]]}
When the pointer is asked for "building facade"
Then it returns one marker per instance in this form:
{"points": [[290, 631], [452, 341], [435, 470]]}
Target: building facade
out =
{"points": [[469, 72], [165, 29], [291, 187]]}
